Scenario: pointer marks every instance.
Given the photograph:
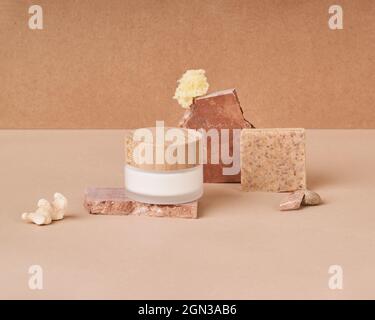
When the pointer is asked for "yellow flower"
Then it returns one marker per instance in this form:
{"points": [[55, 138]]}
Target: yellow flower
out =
{"points": [[193, 83]]}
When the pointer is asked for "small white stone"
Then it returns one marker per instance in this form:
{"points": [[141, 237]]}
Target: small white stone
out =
{"points": [[47, 212], [59, 205]]}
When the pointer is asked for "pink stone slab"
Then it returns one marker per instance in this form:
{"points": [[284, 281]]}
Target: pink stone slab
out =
{"points": [[218, 110], [293, 201], [112, 201], [273, 160]]}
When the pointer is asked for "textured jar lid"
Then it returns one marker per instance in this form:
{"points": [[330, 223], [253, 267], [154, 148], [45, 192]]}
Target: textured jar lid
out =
{"points": [[162, 148]]}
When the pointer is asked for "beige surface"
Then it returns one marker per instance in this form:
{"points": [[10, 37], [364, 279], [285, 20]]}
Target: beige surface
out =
{"points": [[114, 64], [241, 247]]}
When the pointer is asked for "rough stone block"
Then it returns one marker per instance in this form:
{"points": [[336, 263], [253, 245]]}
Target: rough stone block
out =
{"points": [[112, 201], [218, 110]]}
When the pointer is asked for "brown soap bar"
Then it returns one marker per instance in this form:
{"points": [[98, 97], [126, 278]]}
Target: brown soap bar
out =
{"points": [[273, 160], [112, 201], [218, 110]]}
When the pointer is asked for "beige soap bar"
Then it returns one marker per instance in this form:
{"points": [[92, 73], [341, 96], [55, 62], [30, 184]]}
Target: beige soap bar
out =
{"points": [[112, 201], [273, 160]]}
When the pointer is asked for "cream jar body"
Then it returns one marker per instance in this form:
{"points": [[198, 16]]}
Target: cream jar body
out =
{"points": [[157, 181], [164, 187]]}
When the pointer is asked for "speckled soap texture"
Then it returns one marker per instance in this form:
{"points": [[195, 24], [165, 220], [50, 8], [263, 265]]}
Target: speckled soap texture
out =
{"points": [[273, 160]]}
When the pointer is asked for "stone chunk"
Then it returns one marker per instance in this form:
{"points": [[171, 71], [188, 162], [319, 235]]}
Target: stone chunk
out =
{"points": [[218, 110], [273, 160], [300, 198], [311, 198], [293, 201], [112, 201]]}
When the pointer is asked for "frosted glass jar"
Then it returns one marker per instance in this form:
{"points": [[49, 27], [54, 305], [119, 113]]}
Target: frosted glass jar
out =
{"points": [[163, 165]]}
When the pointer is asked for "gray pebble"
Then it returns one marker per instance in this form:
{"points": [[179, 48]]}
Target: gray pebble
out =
{"points": [[311, 198]]}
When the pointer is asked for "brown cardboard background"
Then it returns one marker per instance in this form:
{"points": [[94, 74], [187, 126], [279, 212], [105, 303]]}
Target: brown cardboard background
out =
{"points": [[114, 64]]}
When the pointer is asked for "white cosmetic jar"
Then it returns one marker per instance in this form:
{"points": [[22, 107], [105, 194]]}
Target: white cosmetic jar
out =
{"points": [[163, 165]]}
